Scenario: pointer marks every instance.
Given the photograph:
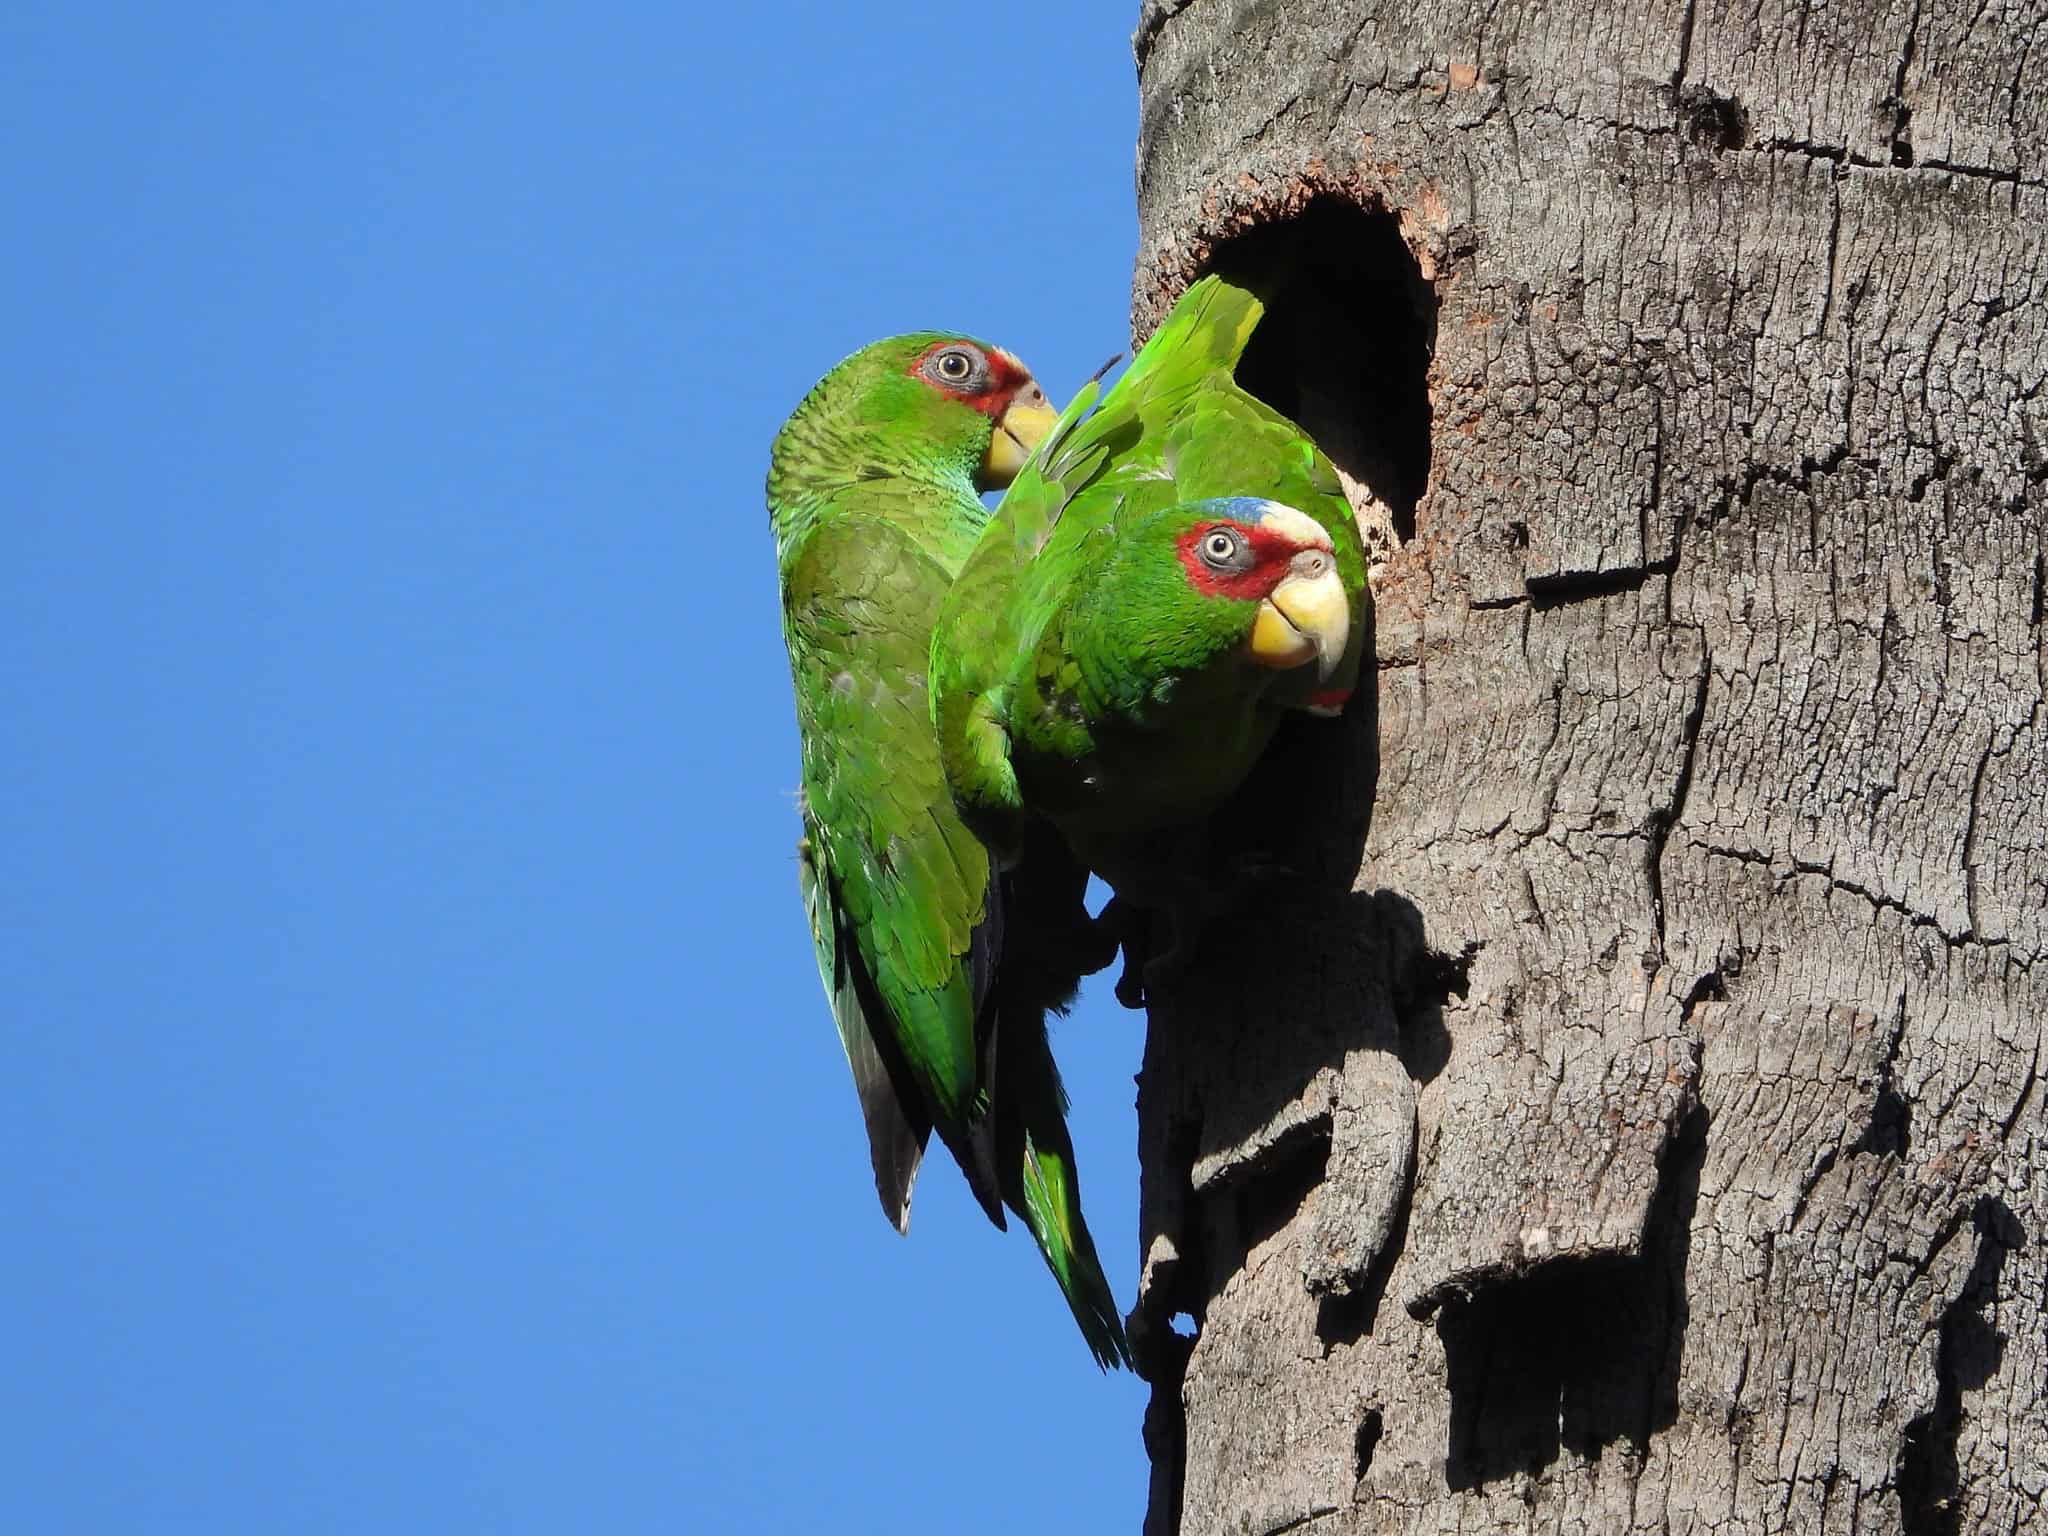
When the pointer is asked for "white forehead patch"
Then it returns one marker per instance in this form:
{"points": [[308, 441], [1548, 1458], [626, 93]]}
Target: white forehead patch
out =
{"points": [[1291, 523]]}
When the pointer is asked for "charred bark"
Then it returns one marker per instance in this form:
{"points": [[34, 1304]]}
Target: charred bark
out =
{"points": [[1639, 1129]]}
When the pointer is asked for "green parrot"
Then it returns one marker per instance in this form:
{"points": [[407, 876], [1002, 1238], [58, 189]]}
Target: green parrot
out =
{"points": [[939, 974], [1166, 576]]}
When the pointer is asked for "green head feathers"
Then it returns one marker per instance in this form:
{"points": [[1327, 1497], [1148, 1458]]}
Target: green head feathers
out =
{"points": [[932, 407], [1236, 580]]}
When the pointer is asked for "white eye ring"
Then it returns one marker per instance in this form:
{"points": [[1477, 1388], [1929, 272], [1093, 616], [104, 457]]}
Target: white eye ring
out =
{"points": [[954, 366], [1219, 548]]}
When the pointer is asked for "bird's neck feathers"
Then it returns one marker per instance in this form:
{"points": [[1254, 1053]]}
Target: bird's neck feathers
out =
{"points": [[1145, 640], [839, 455]]}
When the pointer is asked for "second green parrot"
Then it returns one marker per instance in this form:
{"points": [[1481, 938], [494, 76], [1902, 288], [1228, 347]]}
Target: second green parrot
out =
{"points": [[1170, 572]]}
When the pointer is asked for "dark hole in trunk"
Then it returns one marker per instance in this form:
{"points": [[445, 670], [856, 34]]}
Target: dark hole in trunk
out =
{"points": [[1345, 347], [1370, 1427]]}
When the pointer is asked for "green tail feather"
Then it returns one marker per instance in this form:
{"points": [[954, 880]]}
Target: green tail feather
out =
{"points": [[1042, 1185], [1052, 1209], [1205, 334]]}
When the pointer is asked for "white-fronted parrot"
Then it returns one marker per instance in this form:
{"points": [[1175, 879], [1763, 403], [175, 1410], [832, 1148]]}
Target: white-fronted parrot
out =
{"points": [[1169, 573]]}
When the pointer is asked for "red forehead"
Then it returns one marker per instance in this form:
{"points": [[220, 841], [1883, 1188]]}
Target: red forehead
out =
{"points": [[1271, 553], [1005, 376]]}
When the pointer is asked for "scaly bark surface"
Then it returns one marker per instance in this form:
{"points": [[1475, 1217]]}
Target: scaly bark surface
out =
{"points": [[1646, 1132]]}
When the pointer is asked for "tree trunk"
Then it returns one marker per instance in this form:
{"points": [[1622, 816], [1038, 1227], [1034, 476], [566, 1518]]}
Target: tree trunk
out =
{"points": [[1646, 1134]]}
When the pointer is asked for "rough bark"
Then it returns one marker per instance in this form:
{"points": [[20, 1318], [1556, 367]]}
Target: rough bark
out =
{"points": [[1646, 1133]]}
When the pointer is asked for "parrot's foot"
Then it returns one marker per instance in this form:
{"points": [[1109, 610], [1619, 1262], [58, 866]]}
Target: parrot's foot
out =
{"points": [[1128, 928], [1074, 949], [1198, 905], [1148, 971]]}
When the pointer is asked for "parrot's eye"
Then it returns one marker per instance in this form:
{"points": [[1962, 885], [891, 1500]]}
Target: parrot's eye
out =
{"points": [[1219, 548], [955, 366]]}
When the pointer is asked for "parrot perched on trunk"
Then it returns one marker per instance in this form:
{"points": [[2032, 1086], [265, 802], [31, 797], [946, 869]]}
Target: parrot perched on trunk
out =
{"points": [[1166, 575], [939, 973]]}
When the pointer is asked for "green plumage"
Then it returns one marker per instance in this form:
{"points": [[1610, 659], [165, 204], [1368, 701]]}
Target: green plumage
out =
{"points": [[1077, 674], [872, 496]]}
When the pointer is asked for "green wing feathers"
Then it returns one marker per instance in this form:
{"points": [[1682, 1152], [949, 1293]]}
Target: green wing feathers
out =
{"points": [[941, 1029], [1125, 439], [1175, 428], [903, 879], [896, 1132]]}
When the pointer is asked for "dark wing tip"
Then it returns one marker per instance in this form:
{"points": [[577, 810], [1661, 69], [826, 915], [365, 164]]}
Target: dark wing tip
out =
{"points": [[977, 1154], [897, 1150], [1107, 1343]]}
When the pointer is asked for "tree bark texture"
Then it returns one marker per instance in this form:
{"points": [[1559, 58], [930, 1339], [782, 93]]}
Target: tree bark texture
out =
{"points": [[1646, 1133]]}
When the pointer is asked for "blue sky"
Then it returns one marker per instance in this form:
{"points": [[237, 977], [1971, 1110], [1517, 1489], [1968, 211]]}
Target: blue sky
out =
{"points": [[420, 1112]]}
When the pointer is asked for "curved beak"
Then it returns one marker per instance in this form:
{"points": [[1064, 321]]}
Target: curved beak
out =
{"points": [[1305, 617], [1021, 428]]}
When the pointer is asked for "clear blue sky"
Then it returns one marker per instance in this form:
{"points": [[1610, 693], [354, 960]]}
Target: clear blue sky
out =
{"points": [[419, 1110]]}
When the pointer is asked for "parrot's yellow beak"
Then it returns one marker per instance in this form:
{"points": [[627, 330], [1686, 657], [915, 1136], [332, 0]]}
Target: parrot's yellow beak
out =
{"points": [[1021, 428], [1305, 617]]}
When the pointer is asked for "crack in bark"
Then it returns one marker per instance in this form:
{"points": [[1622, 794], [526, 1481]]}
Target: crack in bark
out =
{"points": [[1844, 158], [1685, 27], [1545, 591], [1165, 1434], [1970, 842], [1885, 903], [1296, 1522], [1371, 1428], [2021, 960], [1902, 114], [1663, 820], [1556, 589], [1827, 301]]}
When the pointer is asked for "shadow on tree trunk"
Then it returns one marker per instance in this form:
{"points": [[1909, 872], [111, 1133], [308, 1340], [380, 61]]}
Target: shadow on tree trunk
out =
{"points": [[1968, 1355]]}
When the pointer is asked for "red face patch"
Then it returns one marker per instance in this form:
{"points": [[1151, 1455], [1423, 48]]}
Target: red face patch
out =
{"points": [[1258, 564], [990, 382]]}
